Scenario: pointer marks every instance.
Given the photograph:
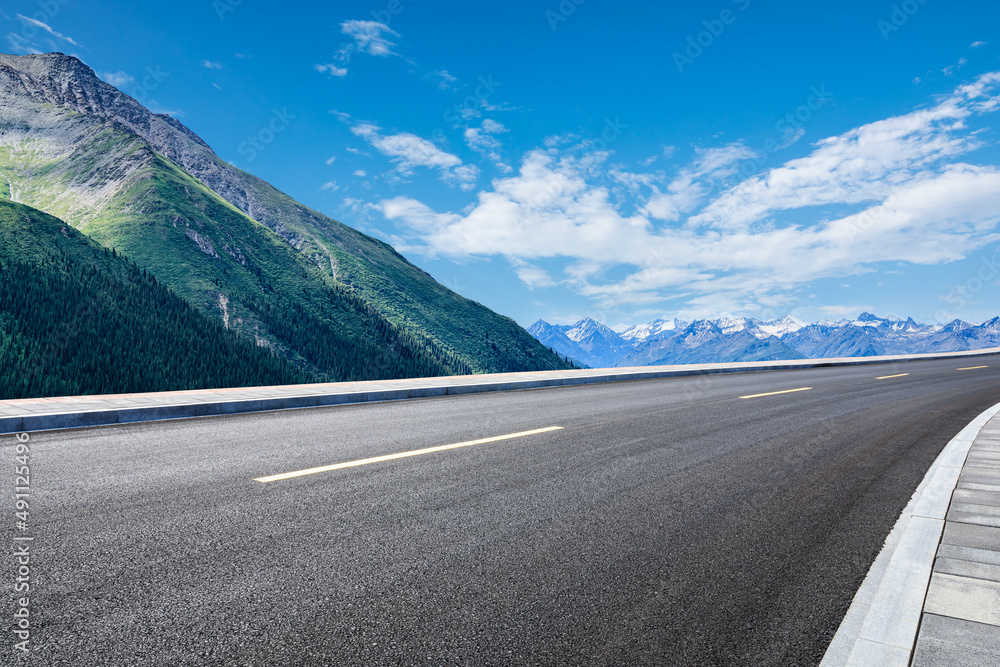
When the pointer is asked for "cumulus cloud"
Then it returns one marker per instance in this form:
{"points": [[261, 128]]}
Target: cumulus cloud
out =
{"points": [[210, 64], [904, 190], [864, 164], [408, 151]]}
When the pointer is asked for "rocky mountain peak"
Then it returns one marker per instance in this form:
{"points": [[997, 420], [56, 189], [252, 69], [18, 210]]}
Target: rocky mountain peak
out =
{"points": [[66, 81], [589, 328], [730, 338]]}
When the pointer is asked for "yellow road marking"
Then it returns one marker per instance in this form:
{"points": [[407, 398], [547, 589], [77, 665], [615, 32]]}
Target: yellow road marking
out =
{"points": [[402, 455], [889, 377], [775, 393], [972, 368]]}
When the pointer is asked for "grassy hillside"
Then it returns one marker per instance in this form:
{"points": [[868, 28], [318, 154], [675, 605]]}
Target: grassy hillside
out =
{"points": [[230, 266], [339, 304], [78, 319], [404, 293]]}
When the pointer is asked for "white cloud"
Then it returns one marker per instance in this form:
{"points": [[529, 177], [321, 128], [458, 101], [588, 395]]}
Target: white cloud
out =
{"points": [[502, 106], [332, 70], [493, 127], [211, 64], [330, 160], [20, 44], [531, 275], [118, 79], [370, 37], [914, 201], [360, 173], [408, 151], [483, 140], [330, 185], [951, 69], [242, 55], [976, 45], [47, 28], [444, 80], [689, 188], [864, 164]]}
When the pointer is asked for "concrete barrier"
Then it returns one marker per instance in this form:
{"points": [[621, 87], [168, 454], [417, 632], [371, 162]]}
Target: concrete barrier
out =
{"points": [[43, 414]]}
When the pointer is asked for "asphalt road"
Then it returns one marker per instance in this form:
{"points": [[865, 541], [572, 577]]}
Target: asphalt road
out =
{"points": [[669, 522]]}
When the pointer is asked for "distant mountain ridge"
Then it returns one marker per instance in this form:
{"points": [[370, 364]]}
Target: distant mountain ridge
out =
{"points": [[727, 339]]}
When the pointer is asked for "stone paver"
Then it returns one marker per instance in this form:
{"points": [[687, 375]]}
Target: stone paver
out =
{"points": [[960, 624], [952, 641]]}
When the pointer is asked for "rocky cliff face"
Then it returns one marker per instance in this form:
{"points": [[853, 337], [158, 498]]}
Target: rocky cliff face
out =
{"points": [[69, 162], [65, 81]]}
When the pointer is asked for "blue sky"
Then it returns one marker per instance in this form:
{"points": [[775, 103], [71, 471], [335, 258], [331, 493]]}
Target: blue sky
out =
{"points": [[557, 160]]}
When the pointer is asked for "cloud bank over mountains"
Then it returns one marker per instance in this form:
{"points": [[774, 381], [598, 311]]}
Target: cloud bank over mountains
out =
{"points": [[719, 233]]}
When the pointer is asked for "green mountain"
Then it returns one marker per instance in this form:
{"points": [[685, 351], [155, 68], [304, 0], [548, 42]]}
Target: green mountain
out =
{"points": [[337, 303], [76, 318]]}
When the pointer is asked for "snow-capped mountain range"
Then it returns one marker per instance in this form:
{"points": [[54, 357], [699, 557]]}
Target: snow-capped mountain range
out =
{"points": [[728, 338]]}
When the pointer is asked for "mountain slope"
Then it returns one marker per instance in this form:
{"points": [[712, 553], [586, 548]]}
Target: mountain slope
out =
{"points": [[126, 196], [76, 319], [72, 144], [554, 337]]}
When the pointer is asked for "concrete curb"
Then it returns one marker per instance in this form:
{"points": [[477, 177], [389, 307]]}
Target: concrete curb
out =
{"points": [[880, 627], [50, 414]]}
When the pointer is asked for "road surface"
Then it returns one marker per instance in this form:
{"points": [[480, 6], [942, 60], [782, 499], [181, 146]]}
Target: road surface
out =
{"points": [[665, 522]]}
